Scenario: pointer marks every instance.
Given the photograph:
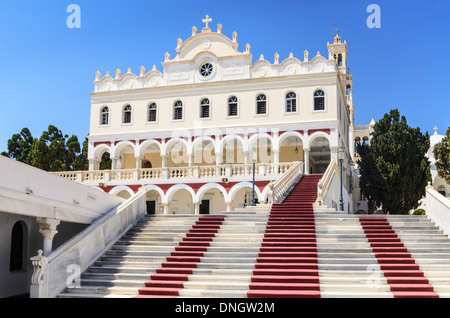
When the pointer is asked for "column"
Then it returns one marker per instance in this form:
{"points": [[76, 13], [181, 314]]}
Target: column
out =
{"points": [[334, 154], [276, 161], [165, 172], [229, 207], [139, 162], [47, 227], [114, 163], [306, 156], [196, 208], [166, 208]]}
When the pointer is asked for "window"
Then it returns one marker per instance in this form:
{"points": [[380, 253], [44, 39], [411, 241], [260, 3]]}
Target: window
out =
{"points": [[104, 117], [127, 115], [233, 106], [291, 103], [206, 69], [319, 100], [178, 111], [152, 112], [17, 247], [204, 108], [261, 104]]}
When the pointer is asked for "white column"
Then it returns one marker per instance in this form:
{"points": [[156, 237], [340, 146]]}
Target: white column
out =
{"points": [[47, 227], [229, 207], [196, 208], [306, 155], [114, 163], [166, 208], [139, 162]]}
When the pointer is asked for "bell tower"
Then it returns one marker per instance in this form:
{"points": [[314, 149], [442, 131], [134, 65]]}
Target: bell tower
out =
{"points": [[339, 52]]}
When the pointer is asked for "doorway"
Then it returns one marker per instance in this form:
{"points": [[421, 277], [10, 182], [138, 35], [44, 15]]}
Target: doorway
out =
{"points": [[204, 207], [151, 207]]}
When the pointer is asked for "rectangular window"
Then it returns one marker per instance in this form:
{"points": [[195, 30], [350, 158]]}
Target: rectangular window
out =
{"points": [[152, 115], [178, 114], [232, 106], [204, 113], [104, 119], [291, 105], [261, 105]]}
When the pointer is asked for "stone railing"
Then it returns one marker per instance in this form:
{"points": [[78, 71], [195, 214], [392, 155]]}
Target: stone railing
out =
{"points": [[438, 209], [279, 189], [325, 182], [62, 268], [155, 174]]}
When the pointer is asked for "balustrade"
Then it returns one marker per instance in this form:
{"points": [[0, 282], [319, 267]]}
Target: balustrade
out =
{"points": [[215, 171]]}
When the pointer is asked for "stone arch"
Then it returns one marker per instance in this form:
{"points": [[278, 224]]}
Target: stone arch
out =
{"points": [[121, 146], [177, 187], [100, 150], [290, 145], [242, 185], [265, 149], [231, 154], [210, 186], [181, 154], [320, 152], [121, 191], [200, 144], [152, 187]]}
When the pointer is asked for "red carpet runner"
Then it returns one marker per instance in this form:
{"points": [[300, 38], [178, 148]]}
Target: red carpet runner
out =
{"points": [[287, 265], [401, 271], [170, 278]]}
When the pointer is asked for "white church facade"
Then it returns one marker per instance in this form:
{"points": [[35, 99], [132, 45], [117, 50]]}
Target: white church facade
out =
{"points": [[192, 132]]}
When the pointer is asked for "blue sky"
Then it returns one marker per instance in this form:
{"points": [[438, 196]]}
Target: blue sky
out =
{"points": [[48, 69]]}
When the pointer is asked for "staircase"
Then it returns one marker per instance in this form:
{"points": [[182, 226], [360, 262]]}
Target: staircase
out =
{"points": [[290, 251]]}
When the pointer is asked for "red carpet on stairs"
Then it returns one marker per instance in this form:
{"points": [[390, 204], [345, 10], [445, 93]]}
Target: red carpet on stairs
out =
{"points": [[170, 278], [287, 265], [400, 270]]}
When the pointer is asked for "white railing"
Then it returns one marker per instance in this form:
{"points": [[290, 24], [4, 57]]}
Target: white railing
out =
{"points": [[155, 174], [290, 176], [325, 182], [438, 209], [52, 274]]}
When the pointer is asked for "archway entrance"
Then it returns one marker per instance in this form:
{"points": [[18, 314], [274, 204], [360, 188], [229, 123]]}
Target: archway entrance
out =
{"points": [[320, 155]]}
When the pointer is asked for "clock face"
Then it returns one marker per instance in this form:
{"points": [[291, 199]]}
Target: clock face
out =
{"points": [[206, 69]]}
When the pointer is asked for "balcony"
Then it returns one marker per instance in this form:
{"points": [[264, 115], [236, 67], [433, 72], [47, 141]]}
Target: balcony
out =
{"points": [[213, 173]]}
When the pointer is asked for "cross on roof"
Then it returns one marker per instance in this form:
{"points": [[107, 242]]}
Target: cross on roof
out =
{"points": [[207, 20], [435, 129]]}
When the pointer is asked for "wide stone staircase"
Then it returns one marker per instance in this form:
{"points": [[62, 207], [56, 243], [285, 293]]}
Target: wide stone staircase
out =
{"points": [[288, 251]]}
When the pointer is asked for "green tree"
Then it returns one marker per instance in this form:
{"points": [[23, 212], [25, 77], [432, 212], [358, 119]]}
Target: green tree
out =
{"points": [[394, 169], [19, 146], [441, 153], [81, 161]]}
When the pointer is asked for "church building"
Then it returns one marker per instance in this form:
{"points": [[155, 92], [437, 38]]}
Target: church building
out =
{"points": [[192, 133]]}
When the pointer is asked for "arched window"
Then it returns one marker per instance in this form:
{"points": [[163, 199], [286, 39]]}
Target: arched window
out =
{"points": [[261, 104], [178, 110], [152, 109], [319, 100], [127, 114], [205, 108], [291, 102], [233, 106], [17, 247], [104, 118]]}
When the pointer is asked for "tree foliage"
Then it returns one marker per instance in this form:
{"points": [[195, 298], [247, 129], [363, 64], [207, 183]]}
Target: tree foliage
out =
{"points": [[441, 153], [394, 169], [53, 151]]}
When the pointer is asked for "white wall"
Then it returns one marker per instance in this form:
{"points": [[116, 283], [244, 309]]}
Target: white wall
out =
{"points": [[438, 209], [51, 196]]}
